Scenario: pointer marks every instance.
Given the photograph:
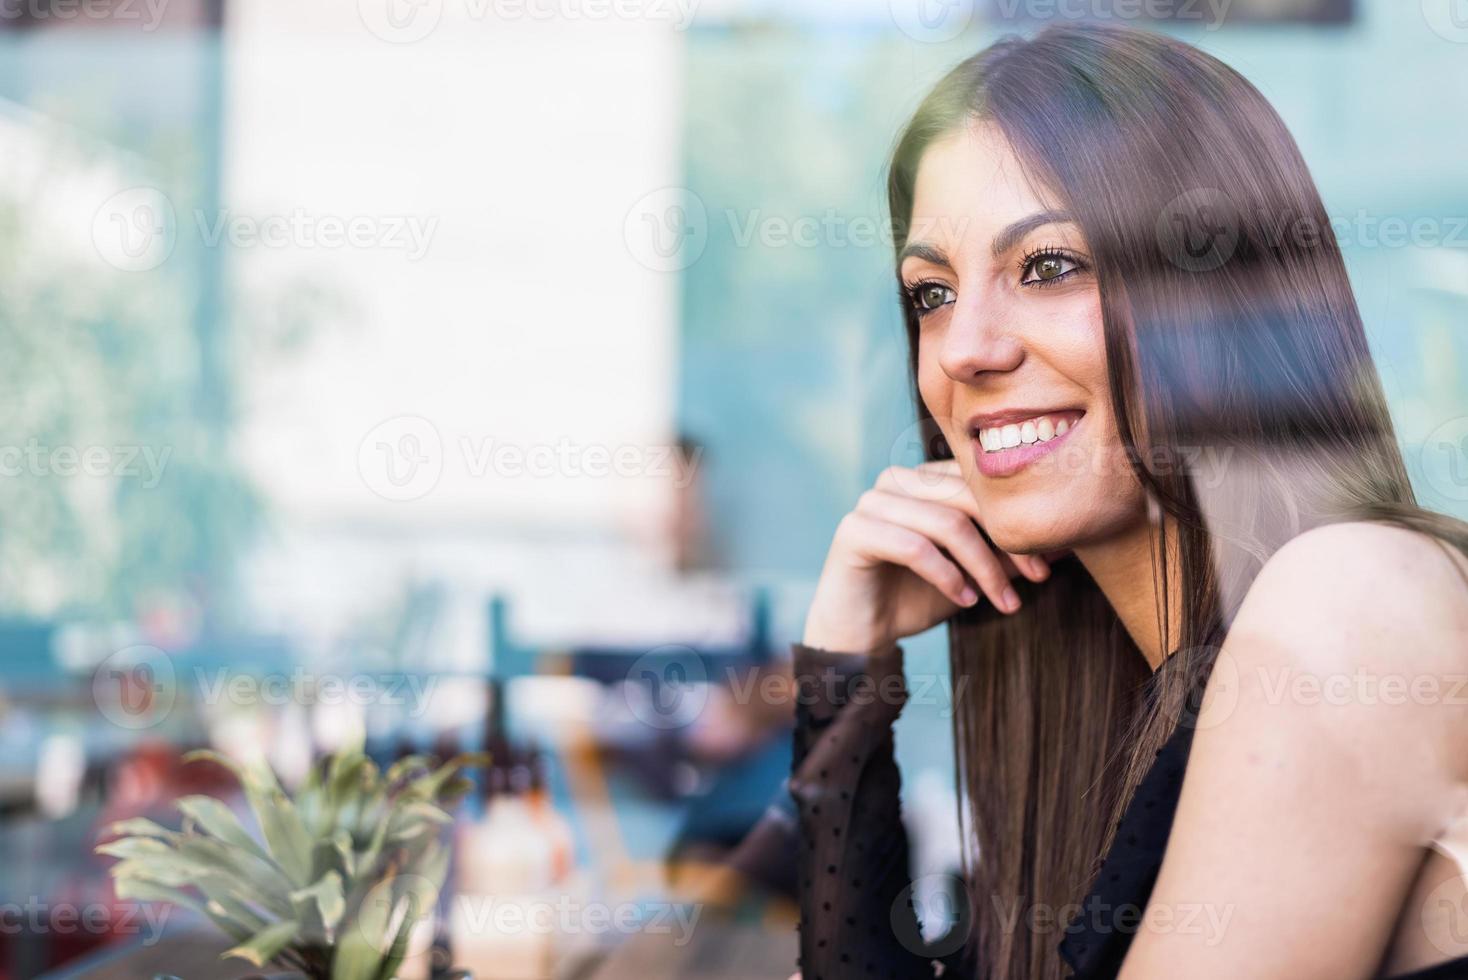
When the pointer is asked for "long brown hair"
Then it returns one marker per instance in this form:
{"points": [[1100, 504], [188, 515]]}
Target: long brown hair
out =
{"points": [[1247, 404]]}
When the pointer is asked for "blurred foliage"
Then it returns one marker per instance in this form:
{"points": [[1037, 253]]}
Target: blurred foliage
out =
{"points": [[138, 369]]}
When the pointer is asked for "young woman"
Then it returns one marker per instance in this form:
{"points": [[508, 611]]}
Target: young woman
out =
{"points": [[1193, 608]]}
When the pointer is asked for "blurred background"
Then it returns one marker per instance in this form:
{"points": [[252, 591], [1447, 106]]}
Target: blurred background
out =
{"points": [[494, 372]]}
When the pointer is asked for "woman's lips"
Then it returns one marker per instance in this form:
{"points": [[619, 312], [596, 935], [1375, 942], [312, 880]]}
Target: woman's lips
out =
{"points": [[1006, 461]]}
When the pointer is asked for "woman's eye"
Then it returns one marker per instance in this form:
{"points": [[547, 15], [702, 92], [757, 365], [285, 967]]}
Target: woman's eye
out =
{"points": [[1048, 267], [929, 296]]}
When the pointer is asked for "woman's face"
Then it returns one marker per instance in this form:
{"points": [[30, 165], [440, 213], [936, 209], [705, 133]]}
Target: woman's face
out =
{"points": [[1011, 355]]}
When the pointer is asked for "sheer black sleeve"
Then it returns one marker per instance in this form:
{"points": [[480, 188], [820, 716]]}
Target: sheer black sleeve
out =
{"points": [[856, 913]]}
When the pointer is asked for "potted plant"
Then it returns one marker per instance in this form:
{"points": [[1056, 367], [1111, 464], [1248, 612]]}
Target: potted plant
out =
{"points": [[340, 875]]}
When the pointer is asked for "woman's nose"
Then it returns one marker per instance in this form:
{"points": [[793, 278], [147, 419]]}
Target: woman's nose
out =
{"points": [[979, 338]]}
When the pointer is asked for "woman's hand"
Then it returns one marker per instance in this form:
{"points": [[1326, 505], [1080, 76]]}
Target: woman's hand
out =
{"points": [[908, 557]]}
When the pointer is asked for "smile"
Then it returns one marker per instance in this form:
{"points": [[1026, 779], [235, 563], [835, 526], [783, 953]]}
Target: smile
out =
{"points": [[1005, 444]]}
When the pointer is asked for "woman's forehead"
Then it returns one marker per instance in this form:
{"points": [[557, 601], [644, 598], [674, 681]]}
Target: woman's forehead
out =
{"points": [[969, 187]]}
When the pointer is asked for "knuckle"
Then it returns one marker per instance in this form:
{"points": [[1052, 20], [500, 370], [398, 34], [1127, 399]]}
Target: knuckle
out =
{"points": [[916, 549]]}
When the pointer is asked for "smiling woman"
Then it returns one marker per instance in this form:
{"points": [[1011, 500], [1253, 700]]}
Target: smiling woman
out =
{"points": [[1160, 451]]}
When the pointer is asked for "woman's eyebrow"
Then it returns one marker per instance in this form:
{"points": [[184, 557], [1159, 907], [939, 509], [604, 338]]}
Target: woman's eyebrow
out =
{"points": [[1003, 241], [926, 252], [1007, 238]]}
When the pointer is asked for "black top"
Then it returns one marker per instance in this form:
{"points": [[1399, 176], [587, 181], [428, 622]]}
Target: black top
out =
{"points": [[856, 907]]}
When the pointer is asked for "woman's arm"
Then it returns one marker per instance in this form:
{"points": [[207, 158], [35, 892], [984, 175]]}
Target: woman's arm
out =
{"points": [[856, 916], [1329, 752]]}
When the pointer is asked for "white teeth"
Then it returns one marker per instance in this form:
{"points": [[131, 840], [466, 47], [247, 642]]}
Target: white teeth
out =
{"points": [[1040, 429]]}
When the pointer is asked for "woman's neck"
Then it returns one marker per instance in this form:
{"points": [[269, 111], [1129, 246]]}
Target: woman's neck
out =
{"points": [[1125, 569]]}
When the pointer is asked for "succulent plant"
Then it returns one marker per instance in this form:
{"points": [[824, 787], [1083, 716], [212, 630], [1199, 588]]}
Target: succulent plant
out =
{"points": [[335, 882]]}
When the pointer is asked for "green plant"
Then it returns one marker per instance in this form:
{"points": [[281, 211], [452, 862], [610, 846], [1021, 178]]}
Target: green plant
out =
{"points": [[343, 871]]}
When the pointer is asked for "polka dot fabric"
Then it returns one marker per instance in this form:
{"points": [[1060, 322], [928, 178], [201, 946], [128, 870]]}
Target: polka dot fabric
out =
{"points": [[857, 919]]}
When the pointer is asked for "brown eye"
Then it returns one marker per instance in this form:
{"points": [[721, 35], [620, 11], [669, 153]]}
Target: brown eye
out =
{"points": [[1048, 267], [928, 296]]}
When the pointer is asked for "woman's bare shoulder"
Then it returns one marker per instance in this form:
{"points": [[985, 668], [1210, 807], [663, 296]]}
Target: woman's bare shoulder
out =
{"points": [[1359, 593]]}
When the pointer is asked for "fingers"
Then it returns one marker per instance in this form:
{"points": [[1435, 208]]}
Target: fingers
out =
{"points": [[954, 531], [942, 482], [885, 542]]}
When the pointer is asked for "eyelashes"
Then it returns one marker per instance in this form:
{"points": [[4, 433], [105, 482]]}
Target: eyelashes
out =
{"points": [[1040, 268], [1054, 260]]}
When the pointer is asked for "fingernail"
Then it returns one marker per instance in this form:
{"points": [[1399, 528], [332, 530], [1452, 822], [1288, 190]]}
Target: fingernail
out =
{"points": [[968, 597], [1042, 567], [1011, 599]]}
